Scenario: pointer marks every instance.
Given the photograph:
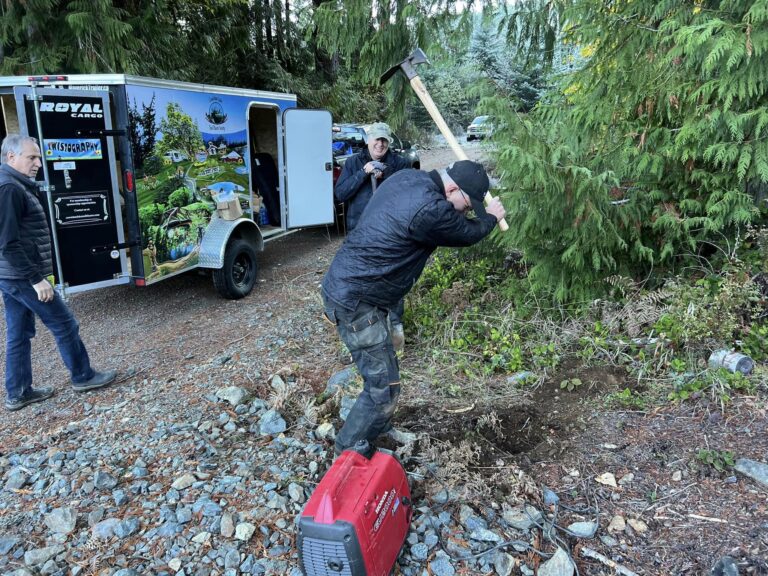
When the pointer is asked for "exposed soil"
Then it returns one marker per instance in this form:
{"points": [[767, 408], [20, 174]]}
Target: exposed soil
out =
{"points": [[167, 334]]}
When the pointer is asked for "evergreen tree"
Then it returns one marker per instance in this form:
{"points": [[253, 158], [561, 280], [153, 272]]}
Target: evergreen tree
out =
{"points": [[506, 77], [142, 130], [650, 151]]}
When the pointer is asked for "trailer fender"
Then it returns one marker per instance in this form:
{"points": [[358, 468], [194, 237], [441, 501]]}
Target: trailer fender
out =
{"points": [[217, 236]]}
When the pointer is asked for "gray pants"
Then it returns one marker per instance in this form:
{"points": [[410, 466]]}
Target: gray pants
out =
{"points": [[396, 313], [365, 331]]}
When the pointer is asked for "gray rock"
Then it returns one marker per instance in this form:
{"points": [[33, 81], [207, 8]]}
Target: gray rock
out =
{"points": [[244, 531], [8, 543], [470, 520], [583, 529], [169, 528], [61, 520], [325, 431], [16, 479], [127, 527], [227, 525], [609, 541], [343, 379], [559, 565], [725, 567], [758, 471], [444, 496], [183, 515], [296, 492], [485, 535], [49, 568], [121, 498], [232, 394], [126, 572], [441, 565], [277, 382], [277, 502], [503, 563], [38, 556], [95, 516], [271, 423], [139, 472], [522, 518], [232, 559], [419, 551], [105, 529], [19, 572], [104, 480], [183, 482]]}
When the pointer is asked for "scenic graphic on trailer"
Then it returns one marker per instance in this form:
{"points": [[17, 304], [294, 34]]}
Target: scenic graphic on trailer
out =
{"points": [[190, 152]]}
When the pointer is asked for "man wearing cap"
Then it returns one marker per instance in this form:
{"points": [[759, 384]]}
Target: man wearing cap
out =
{"points": [[412, 214], [356, 186]]}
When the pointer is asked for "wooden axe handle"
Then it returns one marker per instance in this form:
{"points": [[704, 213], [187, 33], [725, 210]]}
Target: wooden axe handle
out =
{"points": [[426, 99]]}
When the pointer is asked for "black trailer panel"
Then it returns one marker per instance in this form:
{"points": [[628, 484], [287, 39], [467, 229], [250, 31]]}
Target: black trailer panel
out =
{"points": [[74, 129]]}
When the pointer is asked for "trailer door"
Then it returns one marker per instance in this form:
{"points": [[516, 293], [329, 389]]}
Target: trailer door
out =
{"points": [[72, 127], [308, 167]]}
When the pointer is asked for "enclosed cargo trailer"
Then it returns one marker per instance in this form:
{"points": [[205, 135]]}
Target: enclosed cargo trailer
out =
{"points": [[145, 178]]}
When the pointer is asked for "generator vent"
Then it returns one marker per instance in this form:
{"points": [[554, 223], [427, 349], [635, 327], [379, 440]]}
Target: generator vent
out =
{"points": [[324, 558]]}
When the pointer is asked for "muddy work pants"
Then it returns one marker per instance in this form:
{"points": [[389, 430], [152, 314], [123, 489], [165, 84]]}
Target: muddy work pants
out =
{"points": [[365, 331]]}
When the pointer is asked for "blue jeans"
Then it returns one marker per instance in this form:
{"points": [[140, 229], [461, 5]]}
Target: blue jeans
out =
{"points": [[365, 332], [21, 305]]}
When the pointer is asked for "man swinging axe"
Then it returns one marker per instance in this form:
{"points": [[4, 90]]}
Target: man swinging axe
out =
{"points": [[412, 213]]}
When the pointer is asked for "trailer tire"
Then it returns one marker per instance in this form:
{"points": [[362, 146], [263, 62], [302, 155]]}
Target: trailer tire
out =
{"points": [[237, 277]]}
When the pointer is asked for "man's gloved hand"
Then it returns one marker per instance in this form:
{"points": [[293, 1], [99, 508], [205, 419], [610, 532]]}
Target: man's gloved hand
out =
{"points": [[376, 168]]}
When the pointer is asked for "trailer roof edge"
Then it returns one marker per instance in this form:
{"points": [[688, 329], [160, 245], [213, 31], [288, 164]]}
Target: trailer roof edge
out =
{"points": [[125, 79]]}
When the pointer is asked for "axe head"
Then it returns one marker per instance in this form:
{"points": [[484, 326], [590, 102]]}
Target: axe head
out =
{"points": [[408, 66]]}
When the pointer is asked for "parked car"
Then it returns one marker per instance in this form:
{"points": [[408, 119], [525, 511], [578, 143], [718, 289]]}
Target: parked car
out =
{"points": [[349, 139], [480, 128]]}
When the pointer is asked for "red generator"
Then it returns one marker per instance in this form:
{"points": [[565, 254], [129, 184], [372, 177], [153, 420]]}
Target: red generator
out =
{"points": [[356, 520]]}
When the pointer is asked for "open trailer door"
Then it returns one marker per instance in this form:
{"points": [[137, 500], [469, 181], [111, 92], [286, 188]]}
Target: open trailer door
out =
{"points": [[308, 167], [73, 128]]}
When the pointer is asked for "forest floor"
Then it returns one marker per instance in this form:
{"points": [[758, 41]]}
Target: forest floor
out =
{"points": [[668, 513]]}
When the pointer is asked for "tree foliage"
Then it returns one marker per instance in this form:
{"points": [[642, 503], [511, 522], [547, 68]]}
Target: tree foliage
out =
{"points": [[180, 132], [505, 76], [248, 43], [649, 152]]}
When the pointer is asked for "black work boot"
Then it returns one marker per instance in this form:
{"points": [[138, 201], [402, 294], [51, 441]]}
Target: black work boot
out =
{"points": [[98, 380], [34, 395]]}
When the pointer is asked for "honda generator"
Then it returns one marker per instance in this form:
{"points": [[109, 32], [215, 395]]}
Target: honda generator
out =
{"points": [[356, 520]]}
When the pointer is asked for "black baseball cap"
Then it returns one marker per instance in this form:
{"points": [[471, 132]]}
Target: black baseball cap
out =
{"points": [[473, 180]]}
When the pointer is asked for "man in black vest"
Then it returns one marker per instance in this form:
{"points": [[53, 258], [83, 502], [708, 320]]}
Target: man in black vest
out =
{"points": [[25, 262], [412, 214]]}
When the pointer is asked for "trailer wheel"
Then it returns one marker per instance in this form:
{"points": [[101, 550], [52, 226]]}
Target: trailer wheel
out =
{"points": [[238, 275]]}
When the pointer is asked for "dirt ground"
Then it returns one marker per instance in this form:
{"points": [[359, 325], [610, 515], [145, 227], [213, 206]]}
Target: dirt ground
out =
{"points": [[684, 516]]}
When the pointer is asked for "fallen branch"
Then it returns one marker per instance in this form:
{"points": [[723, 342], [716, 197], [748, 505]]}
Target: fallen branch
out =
{"points": [[708, 519], [589, 553]]}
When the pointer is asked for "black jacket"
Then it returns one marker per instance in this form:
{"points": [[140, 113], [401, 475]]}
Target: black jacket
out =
{"points": [[354, 185], [25, 243], [405, 221]]}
